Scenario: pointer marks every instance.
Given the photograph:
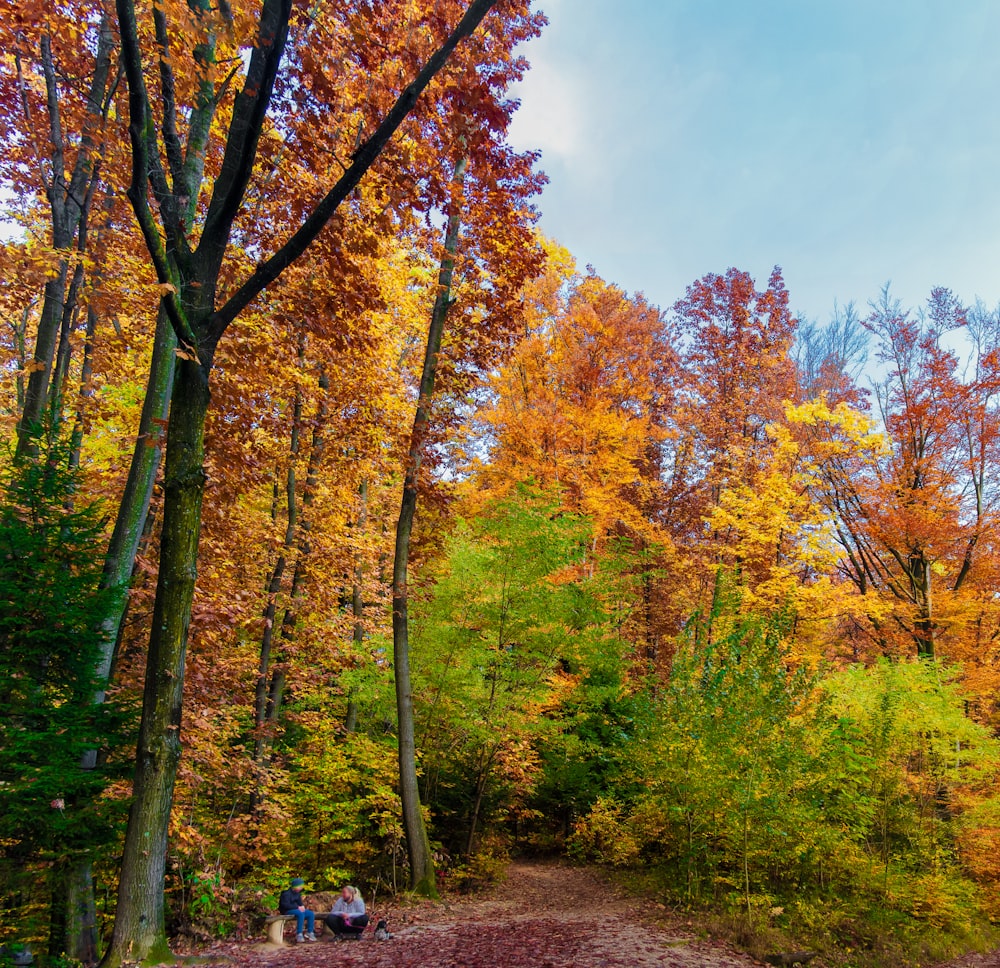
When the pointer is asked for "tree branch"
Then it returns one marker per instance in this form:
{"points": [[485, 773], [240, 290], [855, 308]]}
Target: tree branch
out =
{"points": [[57, 194], [140, 131], [266, 272], [163, 192], [244, 132], [171, 140], [22, 88], [97, 113]]}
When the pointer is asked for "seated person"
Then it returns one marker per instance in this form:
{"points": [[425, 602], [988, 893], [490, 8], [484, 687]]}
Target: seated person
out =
{"points": [[290, 902], [348, 918]]}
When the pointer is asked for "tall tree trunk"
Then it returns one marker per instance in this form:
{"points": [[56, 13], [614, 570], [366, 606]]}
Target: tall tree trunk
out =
{"points": [[191, 285], [422, 879], [140, 932], [81, 916], [357, 607], [134, 505], [261, 740], [277, 573], [69, 200], [119, 563], [20, 334], [276, 689], [86, 390], [64, 353], [920, 588], [73, 916], [73, 928], [37, 389], [477, 802]]}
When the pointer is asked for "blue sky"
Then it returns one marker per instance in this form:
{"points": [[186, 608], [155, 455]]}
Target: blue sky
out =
{"points": [[852, 143]]}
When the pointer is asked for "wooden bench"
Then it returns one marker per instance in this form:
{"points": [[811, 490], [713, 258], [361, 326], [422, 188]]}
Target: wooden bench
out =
{"points": [[276, 925]]}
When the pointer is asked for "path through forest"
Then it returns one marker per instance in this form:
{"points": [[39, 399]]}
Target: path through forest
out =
{"points": [[544, 915]]}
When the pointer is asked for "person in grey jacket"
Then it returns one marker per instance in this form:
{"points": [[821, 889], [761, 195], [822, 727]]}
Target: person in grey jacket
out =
{"points": [[348, 918]]}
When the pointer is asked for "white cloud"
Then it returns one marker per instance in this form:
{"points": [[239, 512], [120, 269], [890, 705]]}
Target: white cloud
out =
{"points": [[550, 118]]}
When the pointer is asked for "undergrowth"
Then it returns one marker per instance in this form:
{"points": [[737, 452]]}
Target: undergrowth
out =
{"points": [[843, 934]]}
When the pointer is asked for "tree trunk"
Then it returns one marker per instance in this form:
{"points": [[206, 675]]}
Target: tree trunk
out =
{"points": [[422, 878], [191, 279], [261, 740], [69, 201], [924, 627], [119, 563], [86, 390], [276, 689], [134, 505], [477, 804], [277, 573], [20, 334], [64, 352], [74, 922], [357, 608], [36, 392], [139, 934]]}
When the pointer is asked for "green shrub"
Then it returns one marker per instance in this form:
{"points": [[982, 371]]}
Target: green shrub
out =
{"points": [[843, 798]]}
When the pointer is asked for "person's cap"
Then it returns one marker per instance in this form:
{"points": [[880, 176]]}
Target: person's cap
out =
{"points": [[298, 882]]}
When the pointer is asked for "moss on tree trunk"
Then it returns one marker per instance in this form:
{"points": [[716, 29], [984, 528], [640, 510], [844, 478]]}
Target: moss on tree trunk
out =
{"points": [[140, 931]]}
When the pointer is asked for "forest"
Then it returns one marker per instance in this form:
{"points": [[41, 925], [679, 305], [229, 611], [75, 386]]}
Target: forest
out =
{"points": [[349, 529]]}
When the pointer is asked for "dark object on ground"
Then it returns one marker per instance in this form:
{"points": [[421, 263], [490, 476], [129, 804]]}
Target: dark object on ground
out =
{"points": [[382, 932], [788, 958]]}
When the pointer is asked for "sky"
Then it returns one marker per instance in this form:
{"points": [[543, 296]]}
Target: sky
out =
{"points": [[851, 142]]}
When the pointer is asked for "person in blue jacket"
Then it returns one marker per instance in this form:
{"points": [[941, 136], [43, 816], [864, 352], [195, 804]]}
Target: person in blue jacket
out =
{"points": [[290, 902]]}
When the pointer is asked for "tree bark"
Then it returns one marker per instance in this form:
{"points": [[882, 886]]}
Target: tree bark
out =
{"points": [[140, 933], [477, 802], [422, 879], [277, 573], [36, 391], [119, 563], [86, 390], [924, 627], [64, 352], [20, 334], [146, 455]]}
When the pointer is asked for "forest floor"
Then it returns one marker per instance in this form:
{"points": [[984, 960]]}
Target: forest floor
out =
{"points": [[545, 915]]}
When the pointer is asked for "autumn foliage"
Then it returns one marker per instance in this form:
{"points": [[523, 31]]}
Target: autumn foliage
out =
{"points": [[698, 589]]}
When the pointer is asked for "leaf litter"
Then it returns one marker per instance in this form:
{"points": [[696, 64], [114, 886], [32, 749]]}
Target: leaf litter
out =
{"points": [[544, 915]]}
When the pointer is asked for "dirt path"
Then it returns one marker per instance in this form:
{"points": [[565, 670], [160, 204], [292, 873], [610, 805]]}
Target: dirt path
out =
{"points": [[544, 915]]}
